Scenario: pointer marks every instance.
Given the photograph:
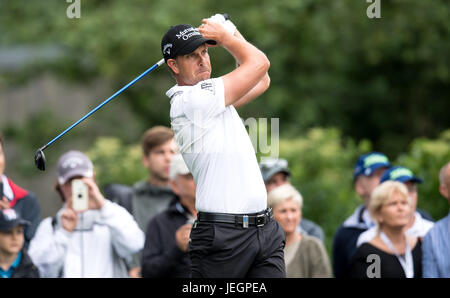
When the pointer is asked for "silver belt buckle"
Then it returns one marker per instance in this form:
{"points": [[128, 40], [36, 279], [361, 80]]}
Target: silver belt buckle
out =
{"points": [[245, 221], [257, 219]]}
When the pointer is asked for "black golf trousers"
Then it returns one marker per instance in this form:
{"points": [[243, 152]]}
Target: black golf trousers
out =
{"points": [[225, 250]]}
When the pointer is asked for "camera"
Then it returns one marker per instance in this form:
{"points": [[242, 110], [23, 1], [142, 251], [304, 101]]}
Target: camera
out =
{"points": [[80, 197]]}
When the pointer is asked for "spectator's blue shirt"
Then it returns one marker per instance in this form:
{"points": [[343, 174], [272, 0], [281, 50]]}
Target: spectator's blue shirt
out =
{"points": [[436, 250], [14, 265]]}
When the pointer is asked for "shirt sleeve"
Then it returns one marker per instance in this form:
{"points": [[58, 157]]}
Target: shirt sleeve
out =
{"points": [[320, 262], [127, 237], [358, 265], [204, 101], [31, 211], [429, 265], [48, 248]]}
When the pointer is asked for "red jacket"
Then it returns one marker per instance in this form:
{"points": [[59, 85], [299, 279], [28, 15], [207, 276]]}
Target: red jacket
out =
{"points": [[26, 204]]}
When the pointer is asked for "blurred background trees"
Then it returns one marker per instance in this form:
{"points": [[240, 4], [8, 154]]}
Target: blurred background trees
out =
{"points": [[342, 84]]}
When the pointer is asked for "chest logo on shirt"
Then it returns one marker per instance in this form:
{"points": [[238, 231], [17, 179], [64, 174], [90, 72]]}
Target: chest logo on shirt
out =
{"points": [[207, 86]]}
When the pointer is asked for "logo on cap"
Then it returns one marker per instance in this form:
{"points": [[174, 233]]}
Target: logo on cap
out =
{"points": [[400, 172], [9, 214], [187, 33], [374, 159], [72, 162], [167, 48]]}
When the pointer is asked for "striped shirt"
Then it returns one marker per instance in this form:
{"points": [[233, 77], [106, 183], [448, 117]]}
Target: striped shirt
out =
{"points": [[436, 250]]}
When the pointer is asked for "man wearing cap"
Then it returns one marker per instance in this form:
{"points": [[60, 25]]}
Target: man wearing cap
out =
{"points": [[90, 243], [19, 199], [167, 237], [235, 234], [436, 244], [275, 172], [366, 176], [14, 260], [419, 224]]}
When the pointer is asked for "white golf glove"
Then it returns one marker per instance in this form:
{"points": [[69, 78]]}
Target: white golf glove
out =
{"points": [[219, 18]]}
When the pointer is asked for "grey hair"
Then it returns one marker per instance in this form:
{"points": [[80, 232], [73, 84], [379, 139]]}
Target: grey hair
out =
{"points": [[283, 193]]}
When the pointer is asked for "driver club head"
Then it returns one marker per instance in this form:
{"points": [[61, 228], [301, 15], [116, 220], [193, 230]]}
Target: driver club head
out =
{"points": [[39, 159]]}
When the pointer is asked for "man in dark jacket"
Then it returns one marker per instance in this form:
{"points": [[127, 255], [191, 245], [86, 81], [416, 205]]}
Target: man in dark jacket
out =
{"points": [[167, 238], [148, 197], [14, 261], [366, 176], [24, 202]]}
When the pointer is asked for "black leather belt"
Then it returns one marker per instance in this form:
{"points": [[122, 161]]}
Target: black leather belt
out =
{"points": [[245, 220]]}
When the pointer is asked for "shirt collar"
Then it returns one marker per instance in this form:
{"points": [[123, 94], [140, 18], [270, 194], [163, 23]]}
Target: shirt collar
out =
{"points": [[7, 190], [16, 262], [8, 273]]}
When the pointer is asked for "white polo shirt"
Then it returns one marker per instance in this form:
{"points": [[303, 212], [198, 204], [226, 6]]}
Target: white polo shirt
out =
{"points": [[217, 149]]}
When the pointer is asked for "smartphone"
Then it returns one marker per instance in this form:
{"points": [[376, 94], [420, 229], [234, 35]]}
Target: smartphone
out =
{"points": [[80, 197]]}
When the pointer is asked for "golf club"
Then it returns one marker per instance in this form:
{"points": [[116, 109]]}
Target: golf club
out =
{"points": [[39, 157]]}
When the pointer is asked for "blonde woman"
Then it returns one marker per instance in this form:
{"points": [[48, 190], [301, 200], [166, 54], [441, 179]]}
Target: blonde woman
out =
{"points": [[391, 253], [304, 255]]}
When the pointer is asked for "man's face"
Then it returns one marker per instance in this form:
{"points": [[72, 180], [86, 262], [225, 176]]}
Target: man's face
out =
{"points": [[276, 180], [184, 187], [364, 185], [2, 160], [157, 161], [192, 68], [11, 242], [412, 191]]}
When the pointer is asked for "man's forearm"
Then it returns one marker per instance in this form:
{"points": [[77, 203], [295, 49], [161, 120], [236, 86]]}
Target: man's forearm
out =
{"points": [[259, 89], [244, 52]]}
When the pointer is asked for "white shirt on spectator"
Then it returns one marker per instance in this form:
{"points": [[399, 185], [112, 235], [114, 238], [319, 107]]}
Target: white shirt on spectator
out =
{"points": [[97, 248]]}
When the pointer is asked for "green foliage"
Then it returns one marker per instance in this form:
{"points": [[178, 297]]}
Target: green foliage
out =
{"points": [[116, 163], [386, 80], [425, 158], [30, 136]]}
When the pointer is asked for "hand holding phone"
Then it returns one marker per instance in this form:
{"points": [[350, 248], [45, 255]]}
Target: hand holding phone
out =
{"points": [[80, 196]]}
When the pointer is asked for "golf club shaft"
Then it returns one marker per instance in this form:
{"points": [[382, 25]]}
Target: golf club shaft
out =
{"points": [[160, 62]]}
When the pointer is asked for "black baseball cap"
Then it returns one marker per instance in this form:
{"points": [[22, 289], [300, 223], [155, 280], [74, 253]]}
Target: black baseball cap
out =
{"points": [[9, 219], [181, 40]]}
